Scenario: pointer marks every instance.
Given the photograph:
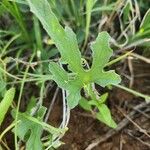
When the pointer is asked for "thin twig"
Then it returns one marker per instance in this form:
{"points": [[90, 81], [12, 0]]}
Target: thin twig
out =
{"points": [[134, 123], [133, 44], [51, 105], [147, 144], [5, 145], [147, 60], [112, 132], [130, 65]]}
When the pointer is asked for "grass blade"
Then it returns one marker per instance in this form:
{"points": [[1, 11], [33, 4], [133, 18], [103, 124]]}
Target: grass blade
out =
{"points": [[6, 102]]}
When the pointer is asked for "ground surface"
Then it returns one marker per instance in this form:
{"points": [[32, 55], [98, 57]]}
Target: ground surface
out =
{"points": [[83, 129]]}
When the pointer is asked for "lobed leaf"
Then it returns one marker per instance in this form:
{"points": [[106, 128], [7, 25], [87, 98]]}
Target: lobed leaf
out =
{"points": [[101, 55], [30, 131], [64, 39], [107, 78], [101, 51]]}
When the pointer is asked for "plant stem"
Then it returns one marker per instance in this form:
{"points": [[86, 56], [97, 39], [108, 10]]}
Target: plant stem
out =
{"points": [[146, 97]]}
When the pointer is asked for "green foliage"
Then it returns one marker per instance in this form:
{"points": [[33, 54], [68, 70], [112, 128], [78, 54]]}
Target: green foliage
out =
{"points": [[61, 77], [84, 104], [2, 85], [126, 11], [31, 126], [105, 116], [101, 55], [143, 31], [65, 41], [30, 132], [6, 103], [14, 10], [145, 25], [103, 113]]}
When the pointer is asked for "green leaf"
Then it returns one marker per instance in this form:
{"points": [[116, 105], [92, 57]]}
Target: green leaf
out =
{"points": [[71, 52], [30, 131], [61, 77], [101, 55], [126, 11], [34, 141], [104, 115], [101, 51], [84, 104], [6, 102], [94, 102], [99, 101], [31, 105], [64, 39], [19, 1], [74, 96], [2, 87], [146, 21], [107, 78], [89, 6], [103, 98]]}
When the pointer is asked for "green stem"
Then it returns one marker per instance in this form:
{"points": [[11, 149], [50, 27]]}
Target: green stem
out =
{"points": [[7, 129], [12, 76], [47, 127], [146, 97], [19, 100], [118, 59], [89, 6]]}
